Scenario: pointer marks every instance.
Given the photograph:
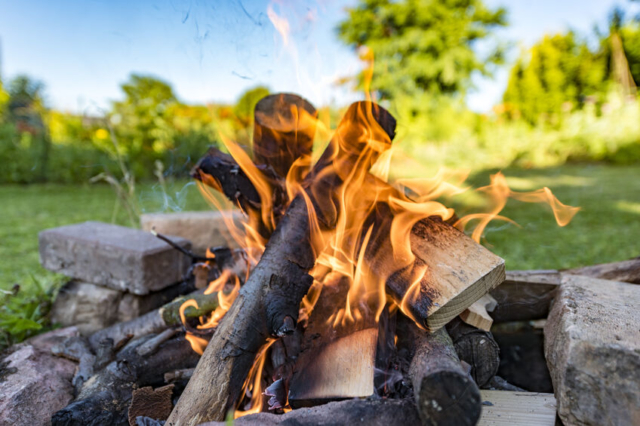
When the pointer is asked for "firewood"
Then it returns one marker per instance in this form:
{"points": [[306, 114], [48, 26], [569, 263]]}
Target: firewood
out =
{"points": [[477, 348], [476, 314], [459, 271], [268, 303], [525, 295], [149, 402], [370, 412], [105, 398], [284, 128], [159, 320], [342, 369], [627, 271], [445, 394], [174, 376]]}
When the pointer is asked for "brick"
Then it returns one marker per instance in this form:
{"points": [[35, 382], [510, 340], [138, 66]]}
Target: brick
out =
{"points": [[592, 346], [203, 229], [113, 256]]}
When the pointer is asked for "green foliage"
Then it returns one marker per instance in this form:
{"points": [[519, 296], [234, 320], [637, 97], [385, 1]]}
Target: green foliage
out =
{"points": [[24, 314], [560, 73], [423, 45], [243, 110]]}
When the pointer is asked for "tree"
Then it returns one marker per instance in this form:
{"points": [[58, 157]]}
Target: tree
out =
{"points": [[558, 73], [425, 45], [142, 121]]}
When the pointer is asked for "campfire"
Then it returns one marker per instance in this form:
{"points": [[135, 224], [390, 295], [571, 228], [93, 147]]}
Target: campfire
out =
{"points": [[340, 296]]}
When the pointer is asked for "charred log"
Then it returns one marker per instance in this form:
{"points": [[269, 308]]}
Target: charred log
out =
{"points": [[284, 128], [105, 398]]}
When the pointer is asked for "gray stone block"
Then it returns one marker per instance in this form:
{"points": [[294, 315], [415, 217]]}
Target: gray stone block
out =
{"points": [[113, 256], [203, 229], [592, 346]]}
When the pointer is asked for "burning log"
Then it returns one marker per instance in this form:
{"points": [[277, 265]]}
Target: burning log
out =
{"points": [[444, 392], [284, 127], [157, 321], [105, 398], [268, 303], [477, 348]]}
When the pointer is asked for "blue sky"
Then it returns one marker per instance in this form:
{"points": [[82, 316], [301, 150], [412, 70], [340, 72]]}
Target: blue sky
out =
{"points": [[213, 50]]}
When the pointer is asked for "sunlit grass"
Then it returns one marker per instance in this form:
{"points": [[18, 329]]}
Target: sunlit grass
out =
{"points": [[606, 229]]}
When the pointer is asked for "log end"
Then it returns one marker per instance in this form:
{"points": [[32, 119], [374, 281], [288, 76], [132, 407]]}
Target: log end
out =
{"points": [[449, 398]]}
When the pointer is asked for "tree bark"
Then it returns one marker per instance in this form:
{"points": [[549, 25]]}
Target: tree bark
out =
{"points": [[444, 392], [477, 348], [268, 304]]}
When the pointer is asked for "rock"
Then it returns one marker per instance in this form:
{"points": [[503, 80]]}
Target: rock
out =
{"points": [[33, 386], [46, 341], [204, 229], [113, 256], [592, 346], [92, 307]]}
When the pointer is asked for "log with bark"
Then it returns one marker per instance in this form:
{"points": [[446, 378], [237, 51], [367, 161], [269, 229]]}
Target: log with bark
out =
{"points": [[477, 348], [268, 303], [105, 397], [444, 392]]}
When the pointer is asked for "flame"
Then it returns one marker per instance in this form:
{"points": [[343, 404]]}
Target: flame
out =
{"points": [[253, 384], [356, 218]]}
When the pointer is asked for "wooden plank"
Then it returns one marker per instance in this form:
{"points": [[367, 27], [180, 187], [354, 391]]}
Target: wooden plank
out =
{"points": [[627, 271], [342, 369], [517, 408], [477, 315]]}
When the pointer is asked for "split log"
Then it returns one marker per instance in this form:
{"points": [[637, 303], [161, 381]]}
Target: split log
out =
{"points": [[476, 314], [158, 320], [459, 271], [283, 132], [105, 398], [477, 348], [370, 412], [268, 303], [627, 271], [444, 392]]}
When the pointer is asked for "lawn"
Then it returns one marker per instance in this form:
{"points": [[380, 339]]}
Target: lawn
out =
{"points": [[606, 229]]}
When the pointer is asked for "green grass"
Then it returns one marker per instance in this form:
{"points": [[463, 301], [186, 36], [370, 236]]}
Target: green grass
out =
{"points": [[606, 229]]}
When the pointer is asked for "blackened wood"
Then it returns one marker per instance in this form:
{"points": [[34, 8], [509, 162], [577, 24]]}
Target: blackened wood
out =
{"points": [[284, 128], [105, 398], [477, 348], [627, 271], [444, 392], [522, 359], [158, 320], [370, 412], [268, 303], [525, 295]]}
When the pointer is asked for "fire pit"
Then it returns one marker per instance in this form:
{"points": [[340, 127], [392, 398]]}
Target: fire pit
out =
{"points": [[344, 299]]}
